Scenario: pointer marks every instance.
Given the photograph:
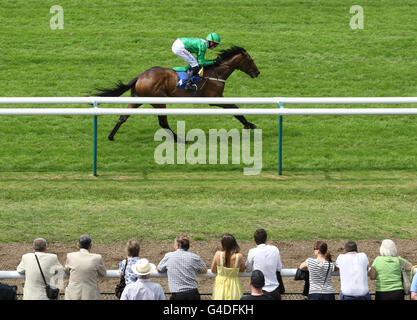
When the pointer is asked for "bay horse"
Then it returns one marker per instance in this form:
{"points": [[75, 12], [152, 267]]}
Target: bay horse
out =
{"points": [[162, 82]]}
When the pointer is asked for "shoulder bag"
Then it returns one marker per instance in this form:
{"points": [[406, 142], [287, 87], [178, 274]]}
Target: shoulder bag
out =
{"points": [[51, 293], [327, 275], [405, 279], [122, 283]]}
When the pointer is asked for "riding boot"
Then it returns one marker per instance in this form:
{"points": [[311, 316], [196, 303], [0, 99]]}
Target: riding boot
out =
{"points": [[189, 85]]}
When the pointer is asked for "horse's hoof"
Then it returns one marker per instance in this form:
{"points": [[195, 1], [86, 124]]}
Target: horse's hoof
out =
{"points": [[179, 140], [111, 138], [250, 126]]}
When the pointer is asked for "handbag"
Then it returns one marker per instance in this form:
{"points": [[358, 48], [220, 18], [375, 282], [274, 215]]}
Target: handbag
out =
{"points": [[405, 279], [303, 275], [51, 293], [122, 283]]}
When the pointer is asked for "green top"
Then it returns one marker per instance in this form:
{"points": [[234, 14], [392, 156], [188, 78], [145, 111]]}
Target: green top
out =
{"points": [[388, 273], [199, 47]]}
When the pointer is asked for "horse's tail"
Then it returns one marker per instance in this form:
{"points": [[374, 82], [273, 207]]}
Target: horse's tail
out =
{"points": [[117, 91]]}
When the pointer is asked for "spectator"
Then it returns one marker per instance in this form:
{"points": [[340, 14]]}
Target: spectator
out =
{"points": [[143, 288], [413, 288], [257, 282], [386, 270], [132, 252], [320, 273], [8, 292], [83, 269], [353, 266], [267, 259], [228, 263], [34, 288], [182, 267]]}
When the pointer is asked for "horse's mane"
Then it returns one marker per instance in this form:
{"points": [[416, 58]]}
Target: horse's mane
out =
{"points": [[227, 54]]}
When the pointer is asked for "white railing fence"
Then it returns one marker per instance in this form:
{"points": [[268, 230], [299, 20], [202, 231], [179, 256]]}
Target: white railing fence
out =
{"points": [[115, 274], [95, 101], [278, 101]]}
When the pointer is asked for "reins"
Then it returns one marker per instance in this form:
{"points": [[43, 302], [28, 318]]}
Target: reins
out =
{"points": [[224, 65], [215, 79]]}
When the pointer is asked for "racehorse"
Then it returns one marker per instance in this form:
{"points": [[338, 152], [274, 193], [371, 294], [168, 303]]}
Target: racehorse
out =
{"points": [[162, 82]]}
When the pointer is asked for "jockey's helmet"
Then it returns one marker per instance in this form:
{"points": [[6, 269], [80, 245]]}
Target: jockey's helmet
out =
{"points": [[214, 37]]}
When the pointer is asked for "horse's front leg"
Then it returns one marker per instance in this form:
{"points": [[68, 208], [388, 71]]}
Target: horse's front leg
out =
{"points": [[163, 122], [242, 119]]}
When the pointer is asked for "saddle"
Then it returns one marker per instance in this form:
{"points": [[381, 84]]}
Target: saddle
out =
{"points": [[182, 76]]}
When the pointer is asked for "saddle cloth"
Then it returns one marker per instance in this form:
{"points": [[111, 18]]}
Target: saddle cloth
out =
{"points": [[182, 76]]}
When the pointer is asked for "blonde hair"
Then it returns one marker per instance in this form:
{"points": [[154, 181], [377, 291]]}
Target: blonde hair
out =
{"points": [[388, 248]]}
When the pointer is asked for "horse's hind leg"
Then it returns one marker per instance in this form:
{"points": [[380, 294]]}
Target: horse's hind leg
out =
{"points": [[122, 119]]}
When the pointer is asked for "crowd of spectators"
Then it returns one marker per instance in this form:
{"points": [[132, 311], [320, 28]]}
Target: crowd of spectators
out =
{"points": [[182, 267]]}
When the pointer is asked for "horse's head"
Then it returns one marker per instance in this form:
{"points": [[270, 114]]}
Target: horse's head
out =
{"points": [[247, 65], [238, 58]]}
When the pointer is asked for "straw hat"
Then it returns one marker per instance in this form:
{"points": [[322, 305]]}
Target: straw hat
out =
{"points": [[143, 267]]}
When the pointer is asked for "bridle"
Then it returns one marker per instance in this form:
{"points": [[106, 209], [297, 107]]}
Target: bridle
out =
{"points": [[224, 65]]}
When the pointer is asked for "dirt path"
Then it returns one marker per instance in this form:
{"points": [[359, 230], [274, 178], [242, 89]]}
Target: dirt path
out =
{"points": [[292, 254]]}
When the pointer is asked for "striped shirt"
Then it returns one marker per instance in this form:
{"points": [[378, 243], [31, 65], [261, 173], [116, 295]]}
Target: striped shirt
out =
{"points": [[182, 268], [320, 276]]}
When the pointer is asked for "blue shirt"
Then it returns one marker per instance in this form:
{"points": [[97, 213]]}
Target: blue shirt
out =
{"points": [[130, 277]]}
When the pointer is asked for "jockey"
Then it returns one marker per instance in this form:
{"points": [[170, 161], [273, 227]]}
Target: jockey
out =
{"points": [[184, 47]]}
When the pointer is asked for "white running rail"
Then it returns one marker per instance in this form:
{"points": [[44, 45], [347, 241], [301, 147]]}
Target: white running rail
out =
{"points": [[95, 101]]}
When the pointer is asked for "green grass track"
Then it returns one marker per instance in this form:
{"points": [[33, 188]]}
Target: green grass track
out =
{"points": [[343, 176]]}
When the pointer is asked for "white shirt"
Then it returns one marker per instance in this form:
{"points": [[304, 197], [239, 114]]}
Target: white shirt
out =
{"points": [[267, 259], [143, 289], [353, 273]]}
